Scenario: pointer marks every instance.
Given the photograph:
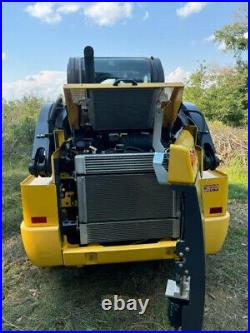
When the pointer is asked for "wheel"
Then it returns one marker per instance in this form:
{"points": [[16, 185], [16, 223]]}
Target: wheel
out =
{"points": [[174, 313]]}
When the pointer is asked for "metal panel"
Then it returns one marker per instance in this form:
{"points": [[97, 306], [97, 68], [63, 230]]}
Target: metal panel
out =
{"points": [[122, 109], [82, 203], [84, 233]]}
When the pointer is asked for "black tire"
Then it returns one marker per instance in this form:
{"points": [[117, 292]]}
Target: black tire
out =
{"points": [[174, 313]]}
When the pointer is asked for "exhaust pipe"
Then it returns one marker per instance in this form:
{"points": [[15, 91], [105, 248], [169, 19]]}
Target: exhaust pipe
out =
{"points": [[89, 64]]}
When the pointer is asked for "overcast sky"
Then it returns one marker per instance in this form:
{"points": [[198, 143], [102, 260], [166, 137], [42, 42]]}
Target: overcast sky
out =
{"points": [[39, 37]]}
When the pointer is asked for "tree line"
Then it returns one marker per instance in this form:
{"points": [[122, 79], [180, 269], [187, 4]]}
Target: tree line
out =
{"points": [[222, 92]]}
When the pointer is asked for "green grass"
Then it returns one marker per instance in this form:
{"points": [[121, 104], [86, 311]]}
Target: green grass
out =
{"points": [[237, 174], [14, 171], [70, 298], [227, 276]]}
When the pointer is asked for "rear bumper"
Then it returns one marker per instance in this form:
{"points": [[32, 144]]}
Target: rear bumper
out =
{"points": [[44, 246], [215, 232], [98, 254]]}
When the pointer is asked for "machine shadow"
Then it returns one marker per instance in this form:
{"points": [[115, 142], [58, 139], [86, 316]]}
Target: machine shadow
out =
{"points": [[132, 280]]}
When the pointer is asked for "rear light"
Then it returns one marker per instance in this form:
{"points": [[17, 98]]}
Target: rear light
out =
{"points": [[38, 219], [215, 210]]}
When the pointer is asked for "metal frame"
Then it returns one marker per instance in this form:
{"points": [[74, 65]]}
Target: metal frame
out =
{"points": [[159, 155], [190, 264]]}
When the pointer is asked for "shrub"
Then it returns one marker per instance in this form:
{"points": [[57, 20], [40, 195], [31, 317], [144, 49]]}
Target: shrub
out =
{"points": [[19, 120], [220, 93]]}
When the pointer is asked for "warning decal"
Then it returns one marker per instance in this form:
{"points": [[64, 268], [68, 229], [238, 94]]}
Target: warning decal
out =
{"points": [[211, 188]]}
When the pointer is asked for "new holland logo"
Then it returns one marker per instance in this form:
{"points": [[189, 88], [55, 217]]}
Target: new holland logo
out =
{"points": [[211, 188]]}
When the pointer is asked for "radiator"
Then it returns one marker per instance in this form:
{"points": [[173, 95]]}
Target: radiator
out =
{"points": [[114, 163], [122, 201]]}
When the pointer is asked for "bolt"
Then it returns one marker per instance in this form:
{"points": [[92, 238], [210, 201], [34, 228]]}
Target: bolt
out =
{"points": [[181, 254], [186, 271], [187, 249], [180, 265]]}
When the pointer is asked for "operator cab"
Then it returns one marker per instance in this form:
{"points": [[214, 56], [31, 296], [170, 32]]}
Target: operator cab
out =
{"points": [[110, 69]]}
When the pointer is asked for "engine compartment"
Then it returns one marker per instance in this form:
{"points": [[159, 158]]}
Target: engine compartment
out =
{"points": [[104, 162], [105, 180]]}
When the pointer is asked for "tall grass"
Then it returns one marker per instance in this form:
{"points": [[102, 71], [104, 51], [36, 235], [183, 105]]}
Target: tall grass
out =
{"points": [[238, 179]]}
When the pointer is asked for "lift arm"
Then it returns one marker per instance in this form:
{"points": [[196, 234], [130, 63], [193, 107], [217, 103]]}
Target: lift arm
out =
{"points": [[51, 116]]}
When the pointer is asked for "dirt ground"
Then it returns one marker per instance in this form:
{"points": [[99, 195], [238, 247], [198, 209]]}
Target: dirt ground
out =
{"points": [[70, 298]]}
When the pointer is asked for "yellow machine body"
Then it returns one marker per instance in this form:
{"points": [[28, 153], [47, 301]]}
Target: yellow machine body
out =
{"points": [[123, 170], [45, 245]]}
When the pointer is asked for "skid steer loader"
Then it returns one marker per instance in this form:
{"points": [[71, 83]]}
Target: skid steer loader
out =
{"points": [[125, 171]]}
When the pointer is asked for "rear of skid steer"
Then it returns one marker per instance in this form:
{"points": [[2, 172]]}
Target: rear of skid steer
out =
{"points": [[126, 171]]}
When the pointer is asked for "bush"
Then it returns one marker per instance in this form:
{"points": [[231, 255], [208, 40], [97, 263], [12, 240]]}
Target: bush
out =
{"points": [[19, 121], [231, 143], [221, 94]]}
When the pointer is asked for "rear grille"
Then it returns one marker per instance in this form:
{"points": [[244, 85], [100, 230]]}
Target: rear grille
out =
{"points": [[125, 197], [130, 230]]}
